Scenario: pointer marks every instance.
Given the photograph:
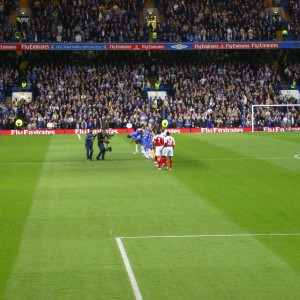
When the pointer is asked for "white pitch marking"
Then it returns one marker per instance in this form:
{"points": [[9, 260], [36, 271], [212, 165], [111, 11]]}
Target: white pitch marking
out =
{"points": [[209, 235], [200, 159], [55, 162], [130, 273], [297, 156], [79, 137]]}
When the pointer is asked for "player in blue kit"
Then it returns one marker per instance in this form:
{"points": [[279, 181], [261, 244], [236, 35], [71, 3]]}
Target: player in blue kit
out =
{"points": [[147, 143], [137, 138], [144, 141]]}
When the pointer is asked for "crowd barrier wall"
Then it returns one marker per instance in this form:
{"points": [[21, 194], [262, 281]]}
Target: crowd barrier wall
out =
{"points": [[128, 131], [148, 46]]}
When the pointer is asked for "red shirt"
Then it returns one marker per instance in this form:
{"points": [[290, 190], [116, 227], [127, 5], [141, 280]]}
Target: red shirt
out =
{"points": [[158, 140], [169, 141]]}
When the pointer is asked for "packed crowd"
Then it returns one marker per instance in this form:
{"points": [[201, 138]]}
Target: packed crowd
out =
{"points": [[291, 67], [205, 89], [293, 8], [119, 21], [214, 20], [6, 29], [80, 21], [9, 74]]}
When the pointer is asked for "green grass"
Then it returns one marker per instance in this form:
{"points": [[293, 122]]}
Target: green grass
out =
{"points": [[60, 216]]}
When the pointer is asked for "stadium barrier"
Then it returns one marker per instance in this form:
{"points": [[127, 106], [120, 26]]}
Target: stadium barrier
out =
{"points": [[130, 130], [148, 46]]}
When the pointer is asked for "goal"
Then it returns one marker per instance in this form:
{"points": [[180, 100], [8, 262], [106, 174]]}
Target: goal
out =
{"points": [[275, 115]]}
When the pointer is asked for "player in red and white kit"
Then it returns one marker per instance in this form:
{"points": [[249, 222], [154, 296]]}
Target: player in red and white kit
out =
{"points": [[163, 158], [168, 149], [158, 143]]}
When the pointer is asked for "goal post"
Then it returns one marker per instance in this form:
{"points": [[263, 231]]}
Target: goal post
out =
{"points": [[272, 110]]}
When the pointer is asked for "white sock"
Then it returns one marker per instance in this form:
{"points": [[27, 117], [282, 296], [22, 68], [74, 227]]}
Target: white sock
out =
{"points": [[136, 148]]}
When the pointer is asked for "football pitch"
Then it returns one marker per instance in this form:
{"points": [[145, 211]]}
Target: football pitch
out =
{"points": [[223, 224]]}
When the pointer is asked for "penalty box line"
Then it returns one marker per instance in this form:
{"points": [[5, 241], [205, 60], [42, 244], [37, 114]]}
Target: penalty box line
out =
{"points": [[131, 276], [209, 235], [133, 282]]}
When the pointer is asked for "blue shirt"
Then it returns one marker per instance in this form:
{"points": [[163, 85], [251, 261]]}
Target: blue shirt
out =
{"points": [[89, 139]]}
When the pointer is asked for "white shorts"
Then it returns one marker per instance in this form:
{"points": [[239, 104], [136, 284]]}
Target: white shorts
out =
{"points": [[167, 151], [158, 150]]}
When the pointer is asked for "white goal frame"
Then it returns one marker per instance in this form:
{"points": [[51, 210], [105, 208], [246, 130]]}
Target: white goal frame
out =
{"points": [[267, 105]]}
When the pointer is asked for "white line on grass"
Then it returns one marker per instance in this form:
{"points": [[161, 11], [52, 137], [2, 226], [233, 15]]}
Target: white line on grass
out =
{"points": [[79, 137], [56, 162], [130, 273], [240, 158], [129, 270], [297, 156], [200, 159], [209, 235]]}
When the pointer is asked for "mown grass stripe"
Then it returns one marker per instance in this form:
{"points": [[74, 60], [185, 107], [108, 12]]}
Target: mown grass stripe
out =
{"points": [[17, 187]]}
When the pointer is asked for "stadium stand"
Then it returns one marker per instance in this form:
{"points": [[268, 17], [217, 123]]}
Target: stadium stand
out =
{"points": [[205, 89], [80, 21], [291, 68], [125, 21]]}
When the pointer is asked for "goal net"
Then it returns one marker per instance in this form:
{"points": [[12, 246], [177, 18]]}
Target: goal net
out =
{"points": [[285, 116]]}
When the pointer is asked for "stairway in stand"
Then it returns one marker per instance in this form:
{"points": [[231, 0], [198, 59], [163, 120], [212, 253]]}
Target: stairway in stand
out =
{"points": [[13, 16], [152, 80], [23, 3], [22, 66], [149, 4]]}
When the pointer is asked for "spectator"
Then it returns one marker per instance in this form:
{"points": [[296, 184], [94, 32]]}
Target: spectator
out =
{"points": [[89, 90]]}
